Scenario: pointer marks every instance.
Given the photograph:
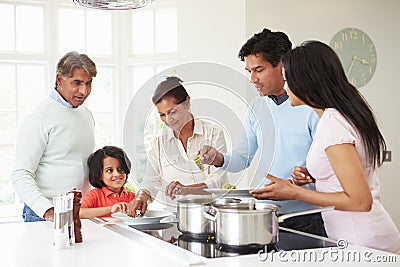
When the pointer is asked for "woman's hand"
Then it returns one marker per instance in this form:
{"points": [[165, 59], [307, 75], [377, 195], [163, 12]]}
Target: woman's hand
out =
{"points": [[120, 206], [139, 203], [277, 189], [176, 188], [301, 176]]}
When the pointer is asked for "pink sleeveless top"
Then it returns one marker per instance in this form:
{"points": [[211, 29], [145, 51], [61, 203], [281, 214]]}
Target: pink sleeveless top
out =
{"points": [[374, 229]]}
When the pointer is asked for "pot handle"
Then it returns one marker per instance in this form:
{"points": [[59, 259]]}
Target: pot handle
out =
{"points": [[208, 215], [305, 212], [252, 203]]}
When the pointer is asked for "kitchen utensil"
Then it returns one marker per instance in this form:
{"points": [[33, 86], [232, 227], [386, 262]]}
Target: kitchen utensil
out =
{"points": [[138, 214], [238, 227], [151, 227], [190, 214], [63, 223], [151, 216]]}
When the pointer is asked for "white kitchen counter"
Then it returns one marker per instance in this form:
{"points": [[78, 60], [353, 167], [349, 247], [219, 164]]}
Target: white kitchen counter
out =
{"points": [[31, 244]]}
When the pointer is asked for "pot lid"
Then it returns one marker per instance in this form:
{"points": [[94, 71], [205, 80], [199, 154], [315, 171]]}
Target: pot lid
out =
{"points": [[113, 4]]}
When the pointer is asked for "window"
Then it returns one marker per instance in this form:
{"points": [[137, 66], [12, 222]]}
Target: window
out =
{"points": [[166, 38], [29, 32], [22, 34], [23, 83], [7, 17], [100, 102], [154, 40], [89, 32], [154, 31], [85, 30], [126, 55]]}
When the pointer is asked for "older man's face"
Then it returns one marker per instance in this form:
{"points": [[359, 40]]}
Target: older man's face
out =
{"points": [[75, 89]]}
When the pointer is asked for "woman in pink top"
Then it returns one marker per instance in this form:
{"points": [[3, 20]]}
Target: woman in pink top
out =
{"points": [[346, 150]]}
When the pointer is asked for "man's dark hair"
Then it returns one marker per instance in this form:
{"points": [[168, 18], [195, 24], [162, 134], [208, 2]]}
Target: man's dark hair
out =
{"points": [[271, 45]]}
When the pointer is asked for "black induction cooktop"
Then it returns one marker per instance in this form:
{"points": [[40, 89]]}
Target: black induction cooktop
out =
{"points": [[206, 246]]}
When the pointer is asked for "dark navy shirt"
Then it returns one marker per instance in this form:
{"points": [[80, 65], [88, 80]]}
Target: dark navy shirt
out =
{"points": [[279, 99]]}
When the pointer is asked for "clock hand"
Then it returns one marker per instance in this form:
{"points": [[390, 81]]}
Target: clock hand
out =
{"points": [[356, 58], [351, 65], [362, 60]]}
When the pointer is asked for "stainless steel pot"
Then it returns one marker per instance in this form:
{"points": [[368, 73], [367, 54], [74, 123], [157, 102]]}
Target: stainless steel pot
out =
{"points": [[190, 215], [239, 227]]}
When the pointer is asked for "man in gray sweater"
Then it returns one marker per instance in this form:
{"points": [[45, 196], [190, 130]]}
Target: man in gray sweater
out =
{"points": [[55, 140]]}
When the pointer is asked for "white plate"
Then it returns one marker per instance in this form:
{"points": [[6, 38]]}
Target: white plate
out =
{"points": [[151, 216], [243, 192]]}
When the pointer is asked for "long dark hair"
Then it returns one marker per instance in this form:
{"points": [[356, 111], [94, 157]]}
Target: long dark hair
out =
{"points": [[95, 164], [315, 75]]}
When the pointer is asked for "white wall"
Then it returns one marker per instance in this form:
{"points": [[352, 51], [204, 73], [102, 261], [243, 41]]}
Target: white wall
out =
{"points": [[210, 30], [214, 31]]}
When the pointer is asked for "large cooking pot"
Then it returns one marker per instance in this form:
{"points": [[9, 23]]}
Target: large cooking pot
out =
{"points": [[190, 214], [248, 226]]}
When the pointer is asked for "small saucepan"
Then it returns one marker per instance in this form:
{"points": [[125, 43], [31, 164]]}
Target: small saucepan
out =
{"points": [[190, 214]]}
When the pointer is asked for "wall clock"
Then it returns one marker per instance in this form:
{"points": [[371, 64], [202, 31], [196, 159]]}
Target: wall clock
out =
{"points": [[357, 53]]}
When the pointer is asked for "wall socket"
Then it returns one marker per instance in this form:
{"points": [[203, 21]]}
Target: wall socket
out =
{"points": [[387, 156]]}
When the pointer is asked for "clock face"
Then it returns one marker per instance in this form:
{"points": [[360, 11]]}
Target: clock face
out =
{"points": [[357, 54]]}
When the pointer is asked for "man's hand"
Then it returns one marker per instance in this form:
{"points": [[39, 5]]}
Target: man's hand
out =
{"points": [[211, 156]]}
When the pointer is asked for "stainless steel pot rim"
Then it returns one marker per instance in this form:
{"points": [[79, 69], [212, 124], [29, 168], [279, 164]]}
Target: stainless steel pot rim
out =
{"points": [[209, 201], [266, 206], [196, 201], [247, 206], [239, 206], [226, 200], [244, 211]]}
